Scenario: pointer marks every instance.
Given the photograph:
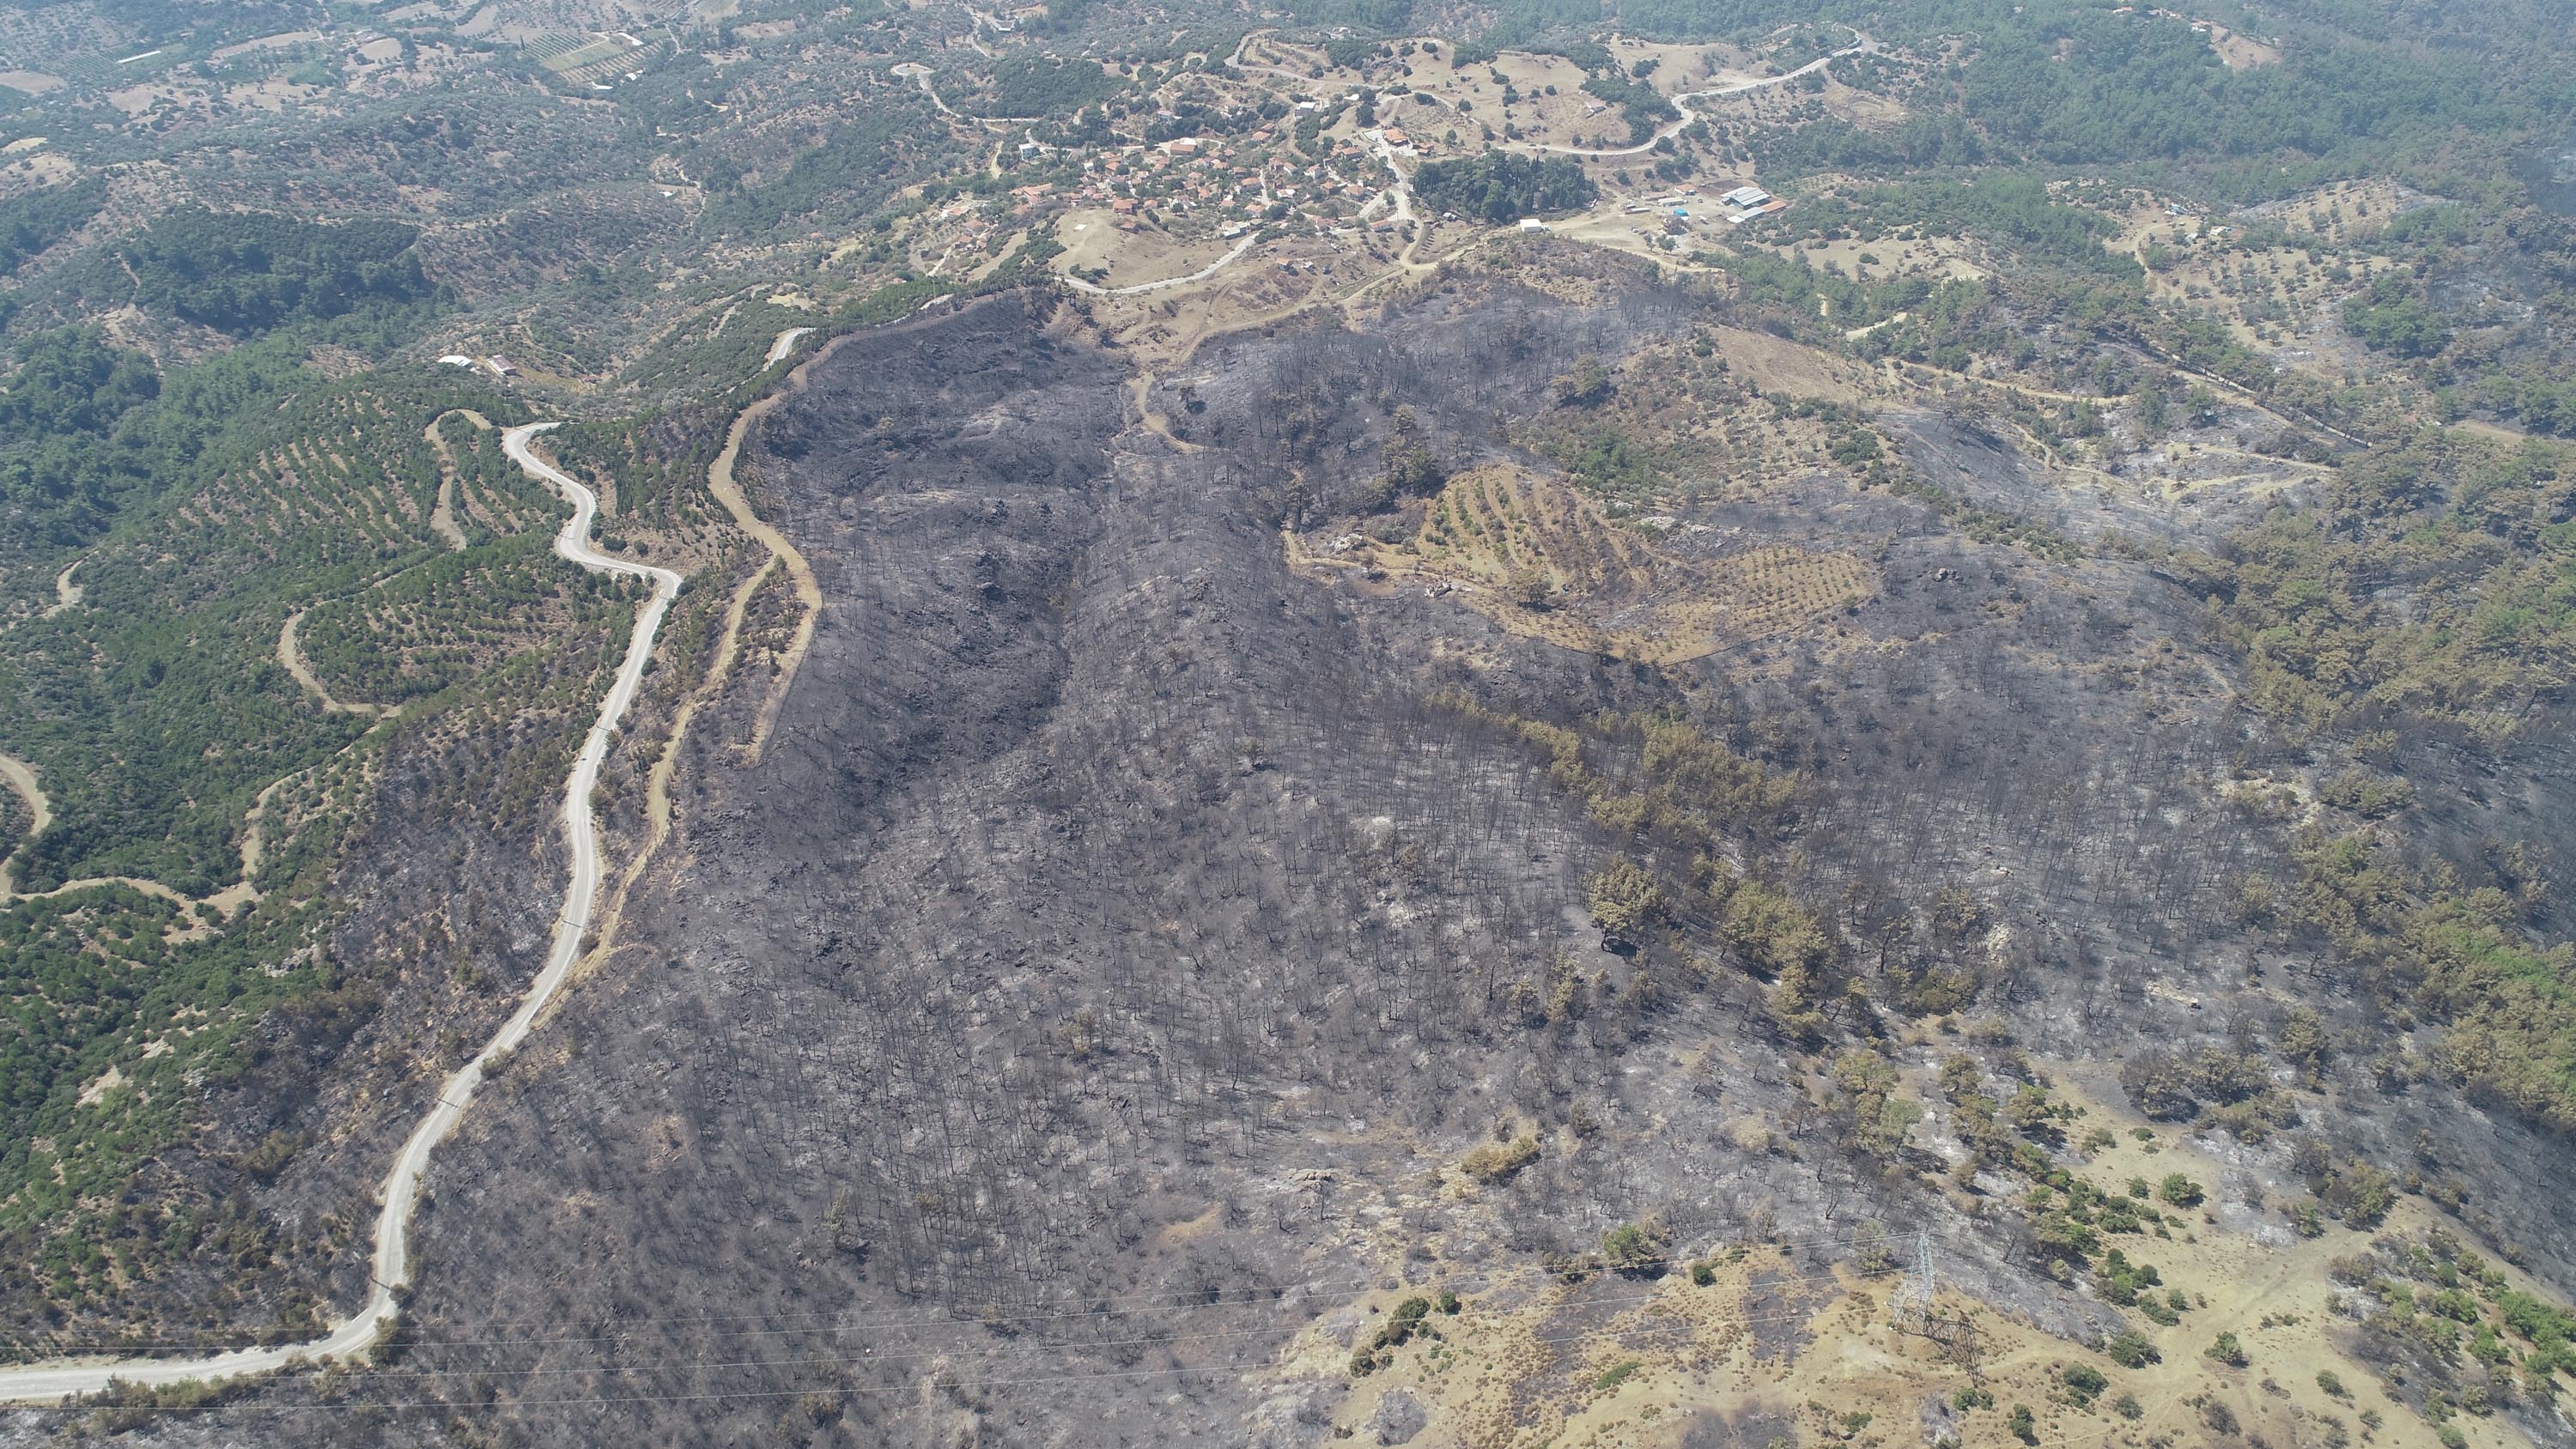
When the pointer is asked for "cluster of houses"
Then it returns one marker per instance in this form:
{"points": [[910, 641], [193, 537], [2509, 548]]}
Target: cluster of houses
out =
{"points": [[2198, 26], [1235, 183], [1228, 185]]}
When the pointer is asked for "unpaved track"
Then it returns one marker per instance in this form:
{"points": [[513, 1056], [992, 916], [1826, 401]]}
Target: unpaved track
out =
{"points": [[67, 594], [291, 659], [1682, 102], [45, 1382], [17, 776], [442, 519], [21, 778], [1201, 275], [442, 516], [809, 594], [1236, 60], [783, 344], [658, 812]]}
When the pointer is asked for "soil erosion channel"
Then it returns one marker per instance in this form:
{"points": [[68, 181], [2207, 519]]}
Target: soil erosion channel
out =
{"points": [[46, 1382]]}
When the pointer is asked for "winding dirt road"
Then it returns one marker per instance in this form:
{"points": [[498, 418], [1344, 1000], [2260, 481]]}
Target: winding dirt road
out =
{"points": [[391, 1270], [782, 554], [290, 658], [67, 595], [442, 515], [1201, 275], [20, 777], [783, 344], [1682, 102]]}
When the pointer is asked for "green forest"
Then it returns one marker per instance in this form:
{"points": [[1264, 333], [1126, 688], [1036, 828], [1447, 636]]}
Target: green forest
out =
{"points": [[242, 273], [1499, 186], [858, 166], [93, 429], [33, 221], [1029, 85]]}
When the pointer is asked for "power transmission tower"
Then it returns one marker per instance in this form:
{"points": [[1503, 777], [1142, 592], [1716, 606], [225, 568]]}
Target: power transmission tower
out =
{"points": [[1911, 1307]]}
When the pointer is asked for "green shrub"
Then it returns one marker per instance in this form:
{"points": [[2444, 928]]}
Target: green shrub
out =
{"points": [[2131, 1350], [1634, 1248]]}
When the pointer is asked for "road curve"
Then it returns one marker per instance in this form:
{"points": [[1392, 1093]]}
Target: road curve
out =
{"points": [[1201, 275], [66, 593], [783, 344], [1682, 102], [391, 1270]]}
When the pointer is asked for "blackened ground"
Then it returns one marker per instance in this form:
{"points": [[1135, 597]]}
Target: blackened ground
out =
{"points": [[2191, 490], [1085, 988], [1107, 925]]}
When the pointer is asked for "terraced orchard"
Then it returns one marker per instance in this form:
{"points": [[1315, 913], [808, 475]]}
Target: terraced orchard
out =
{"points": [[1548, 561]]}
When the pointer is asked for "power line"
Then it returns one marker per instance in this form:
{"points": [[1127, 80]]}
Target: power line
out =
{"points": [[996, 1351], [1181, 1299], [1922, 1274], [596, 1399]]}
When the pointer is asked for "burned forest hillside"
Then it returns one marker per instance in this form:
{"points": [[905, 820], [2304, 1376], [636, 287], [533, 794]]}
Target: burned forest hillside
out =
{"points": [[1747, 724], [1180, 968]]}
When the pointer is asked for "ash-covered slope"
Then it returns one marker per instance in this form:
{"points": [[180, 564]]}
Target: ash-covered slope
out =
{"points": [[1123, 936], [1111, 923]]}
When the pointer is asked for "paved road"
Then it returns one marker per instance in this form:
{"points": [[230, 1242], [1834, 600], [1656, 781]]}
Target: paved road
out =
{"points": [[350, 1337]]}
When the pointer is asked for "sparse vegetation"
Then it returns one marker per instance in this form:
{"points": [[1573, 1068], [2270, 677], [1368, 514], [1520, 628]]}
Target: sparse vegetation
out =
{"points": [[1499, 1161]]}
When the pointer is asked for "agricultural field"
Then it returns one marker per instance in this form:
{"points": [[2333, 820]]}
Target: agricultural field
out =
{"points": [[592, 60]]}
